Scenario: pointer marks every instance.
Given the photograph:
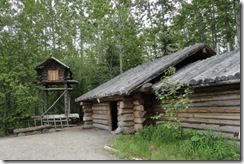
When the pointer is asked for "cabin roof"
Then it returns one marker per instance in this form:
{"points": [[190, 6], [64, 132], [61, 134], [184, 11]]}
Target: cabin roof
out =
{"points": [[134, 78], [216, 69], [44, 63]]}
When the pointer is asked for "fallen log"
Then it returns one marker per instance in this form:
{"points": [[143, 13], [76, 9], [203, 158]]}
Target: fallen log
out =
{"points": [[110, 149], [30, 129]]}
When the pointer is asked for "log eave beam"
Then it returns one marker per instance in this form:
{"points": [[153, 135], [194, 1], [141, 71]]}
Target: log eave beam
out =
{"points": [[144, 88]]}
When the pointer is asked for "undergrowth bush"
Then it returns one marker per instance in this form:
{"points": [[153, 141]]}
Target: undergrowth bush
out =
{"points": [[159, 143]]}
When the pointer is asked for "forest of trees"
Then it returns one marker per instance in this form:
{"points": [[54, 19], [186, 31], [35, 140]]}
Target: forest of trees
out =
{"points": [[98, 40]]}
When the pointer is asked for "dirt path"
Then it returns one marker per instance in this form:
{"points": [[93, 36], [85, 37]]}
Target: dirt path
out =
{"points": [[71, 144]]}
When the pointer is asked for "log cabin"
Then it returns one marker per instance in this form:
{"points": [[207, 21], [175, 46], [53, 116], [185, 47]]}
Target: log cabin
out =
{"points": [[127, 102]]}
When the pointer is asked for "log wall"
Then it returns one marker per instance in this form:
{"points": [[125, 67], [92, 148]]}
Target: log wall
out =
{"points": [[101, 115], [212, 108], [125, 115], [139, 111], [87, 116]]}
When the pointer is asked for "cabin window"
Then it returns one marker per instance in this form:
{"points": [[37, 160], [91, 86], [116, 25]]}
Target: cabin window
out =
{"points": [[53, 75]]}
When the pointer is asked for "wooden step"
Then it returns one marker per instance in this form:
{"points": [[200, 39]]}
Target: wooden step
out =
{"points": [[45, 121]]}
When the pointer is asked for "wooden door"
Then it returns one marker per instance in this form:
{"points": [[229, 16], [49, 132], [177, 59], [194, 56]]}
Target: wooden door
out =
{"points": [[53, 75], [114, 115]]}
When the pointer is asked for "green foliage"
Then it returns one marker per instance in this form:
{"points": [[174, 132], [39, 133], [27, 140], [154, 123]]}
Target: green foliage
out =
{"points": [[208, 146], [160, 143], [206, 21], [82, 34], [90, 36], [173, 97], [156, 30], [18, 91]]}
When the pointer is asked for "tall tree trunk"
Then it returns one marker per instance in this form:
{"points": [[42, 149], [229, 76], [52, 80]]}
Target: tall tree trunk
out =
{"points": [[214, 35], [237, 9], [52, 23], [154, 44], [81, 56], [227, 25], [120, 38], [120, 52]]}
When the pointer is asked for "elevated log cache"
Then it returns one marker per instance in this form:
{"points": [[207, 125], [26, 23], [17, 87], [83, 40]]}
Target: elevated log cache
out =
{"points": [[216, 109]]}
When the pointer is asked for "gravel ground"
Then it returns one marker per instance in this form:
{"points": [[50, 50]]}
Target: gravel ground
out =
{"points": [[70, 144]]}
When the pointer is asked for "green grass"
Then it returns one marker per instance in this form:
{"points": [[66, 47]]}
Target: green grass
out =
{"points": [[160, 143]]}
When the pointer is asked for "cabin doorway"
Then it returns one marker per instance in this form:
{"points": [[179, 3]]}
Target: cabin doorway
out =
{"points": [[114, 116]]}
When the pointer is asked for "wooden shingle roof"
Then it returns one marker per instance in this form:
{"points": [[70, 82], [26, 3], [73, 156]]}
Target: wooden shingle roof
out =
{"points": [[216, 69], [44, 63], [134, 78]]}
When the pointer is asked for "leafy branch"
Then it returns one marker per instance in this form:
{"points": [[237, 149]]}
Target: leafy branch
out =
{"points": [[173, 97]]}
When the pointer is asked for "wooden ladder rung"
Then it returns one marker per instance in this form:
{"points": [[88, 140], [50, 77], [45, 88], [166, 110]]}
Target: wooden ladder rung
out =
{"points": [[54, 123], [61, 122]]}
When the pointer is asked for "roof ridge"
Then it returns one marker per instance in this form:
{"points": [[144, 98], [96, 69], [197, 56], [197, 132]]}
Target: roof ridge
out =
{"points": [[133, 78], [53, 58]]}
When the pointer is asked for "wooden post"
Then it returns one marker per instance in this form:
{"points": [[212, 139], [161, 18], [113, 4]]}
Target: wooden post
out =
{"points": [[66, 100], [46, 100], [68, 93], [41, 106], [66, 104]]}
